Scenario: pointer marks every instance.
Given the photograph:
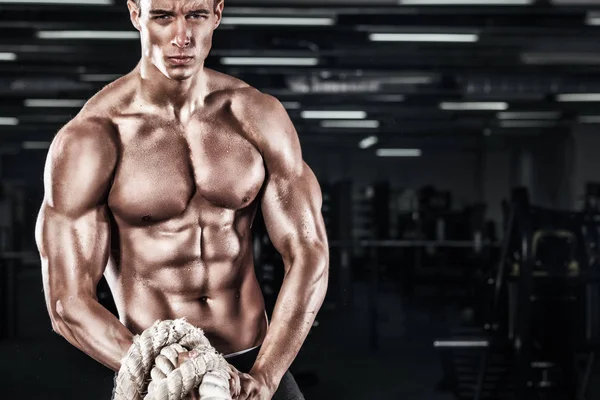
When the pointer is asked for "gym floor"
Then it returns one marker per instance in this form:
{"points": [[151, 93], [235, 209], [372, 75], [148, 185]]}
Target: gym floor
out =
{"points": [[335, 363]]}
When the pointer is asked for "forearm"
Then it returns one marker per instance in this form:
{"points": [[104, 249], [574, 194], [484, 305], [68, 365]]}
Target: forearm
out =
{"points": [[89, 326], [300, 298]]}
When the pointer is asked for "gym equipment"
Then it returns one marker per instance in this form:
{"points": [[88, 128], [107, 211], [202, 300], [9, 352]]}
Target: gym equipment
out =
{"points": [[543, 317]]}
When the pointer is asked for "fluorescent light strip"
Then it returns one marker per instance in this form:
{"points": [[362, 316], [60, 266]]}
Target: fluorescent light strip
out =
{"points": [[408, 80], [286, 61], [368, 124], [110, 35], [99, 77], [593, 18], [388, 97], [526, 124], [529, 115], [398, 152], [8, 56], [78, 2], [593, 21], [560, 58], [461, 343], [333, 114], [54, 103], [578, 97], [368, 142], [589, 119], [465, 2], [291, 105], [424, 37], [36, 145], [279, 21], [9, 121], [474, 106]]}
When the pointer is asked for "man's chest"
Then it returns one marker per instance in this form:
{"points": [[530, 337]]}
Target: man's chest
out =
{"points": [[164, 168]]}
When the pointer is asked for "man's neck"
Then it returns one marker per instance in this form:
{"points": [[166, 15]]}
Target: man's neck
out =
{"points": [[180, 98]]}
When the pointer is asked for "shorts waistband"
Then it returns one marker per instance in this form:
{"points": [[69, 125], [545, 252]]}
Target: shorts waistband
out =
{"points": [[238, 353]]}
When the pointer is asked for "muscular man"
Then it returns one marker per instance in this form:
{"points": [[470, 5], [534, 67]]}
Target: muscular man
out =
{"points": [[155, 184]]}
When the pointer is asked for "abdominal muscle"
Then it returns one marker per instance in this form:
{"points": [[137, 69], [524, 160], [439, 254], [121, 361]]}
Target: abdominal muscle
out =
{"points": [[221, 296]]}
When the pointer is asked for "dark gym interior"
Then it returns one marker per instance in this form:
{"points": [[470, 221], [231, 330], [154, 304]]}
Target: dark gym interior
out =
{"points": [[455, 145]]}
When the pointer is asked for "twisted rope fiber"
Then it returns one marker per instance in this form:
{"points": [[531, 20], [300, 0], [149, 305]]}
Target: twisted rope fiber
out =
{"points": [[149, 372]]}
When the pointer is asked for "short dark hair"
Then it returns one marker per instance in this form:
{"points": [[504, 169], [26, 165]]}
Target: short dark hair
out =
{"points": [[137, 2]]}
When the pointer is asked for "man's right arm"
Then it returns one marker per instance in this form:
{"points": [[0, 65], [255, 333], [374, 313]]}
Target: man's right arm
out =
{"points": [[73, 238]]}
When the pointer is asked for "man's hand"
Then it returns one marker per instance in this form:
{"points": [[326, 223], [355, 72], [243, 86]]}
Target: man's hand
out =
{"points": [[181, 358], [247, 387]]}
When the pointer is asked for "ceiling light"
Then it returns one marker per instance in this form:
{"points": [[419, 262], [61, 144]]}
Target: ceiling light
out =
{"points": [[78, 2], [293, 21], [54, 103], [333, 114], [424, 37], [578, 97], [8, 56], [465, 2], [593, 18], [387, 97], [351, 124], [474, 106], [291, 105], [560, 58], [109, 35], [99, 77], [526, 124], [36, 145], [398, 152], [589, 119], [461, 343], [9, 121], [575, 2], [368, 142], [407, 80], [287, 61], [529, 115]]}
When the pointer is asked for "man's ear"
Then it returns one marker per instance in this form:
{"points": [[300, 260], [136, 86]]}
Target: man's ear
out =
{"points": [[218, 12], [134, 14]]}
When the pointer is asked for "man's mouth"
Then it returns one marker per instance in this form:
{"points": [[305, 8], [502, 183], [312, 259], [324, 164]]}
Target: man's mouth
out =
{"points": [[181, 60]]}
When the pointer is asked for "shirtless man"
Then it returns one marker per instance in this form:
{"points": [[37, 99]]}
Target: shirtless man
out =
{"points": [[155, 184]]}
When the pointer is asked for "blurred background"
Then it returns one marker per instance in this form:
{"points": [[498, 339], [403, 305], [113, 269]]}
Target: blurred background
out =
{"points": [[456, 145]]}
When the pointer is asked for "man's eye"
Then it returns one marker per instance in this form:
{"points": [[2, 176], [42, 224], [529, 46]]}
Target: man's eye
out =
{"points": [[197, 16], [161, 17]]}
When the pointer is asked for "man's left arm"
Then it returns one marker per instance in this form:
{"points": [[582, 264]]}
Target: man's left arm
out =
{"points": [[291, 207]]}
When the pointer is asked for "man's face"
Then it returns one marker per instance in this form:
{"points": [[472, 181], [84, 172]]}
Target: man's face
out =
{"points": [[176, 35]]}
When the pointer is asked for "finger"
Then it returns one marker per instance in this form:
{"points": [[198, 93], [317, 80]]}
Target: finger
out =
{"points": [[182, 357], [234, 381], [246, 387], [234, 386]]}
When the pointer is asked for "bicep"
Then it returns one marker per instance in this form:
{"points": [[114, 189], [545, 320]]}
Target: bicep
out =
{"points": [[291, 202], [73, 227], [291, 207]]}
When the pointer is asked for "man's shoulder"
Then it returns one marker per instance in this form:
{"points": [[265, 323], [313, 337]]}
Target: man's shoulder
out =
{"points": [[97, 114], [94, 123], [242, 96], [111, 98]]}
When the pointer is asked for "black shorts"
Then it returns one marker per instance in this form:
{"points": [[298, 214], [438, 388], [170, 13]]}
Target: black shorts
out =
{"points": [[288, 388]]}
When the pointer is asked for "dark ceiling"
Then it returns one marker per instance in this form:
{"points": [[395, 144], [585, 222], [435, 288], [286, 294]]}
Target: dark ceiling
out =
{"points": [[468, 71]]}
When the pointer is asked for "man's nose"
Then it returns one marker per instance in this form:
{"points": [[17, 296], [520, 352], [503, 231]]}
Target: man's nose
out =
{"points": [[183, 34]]}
